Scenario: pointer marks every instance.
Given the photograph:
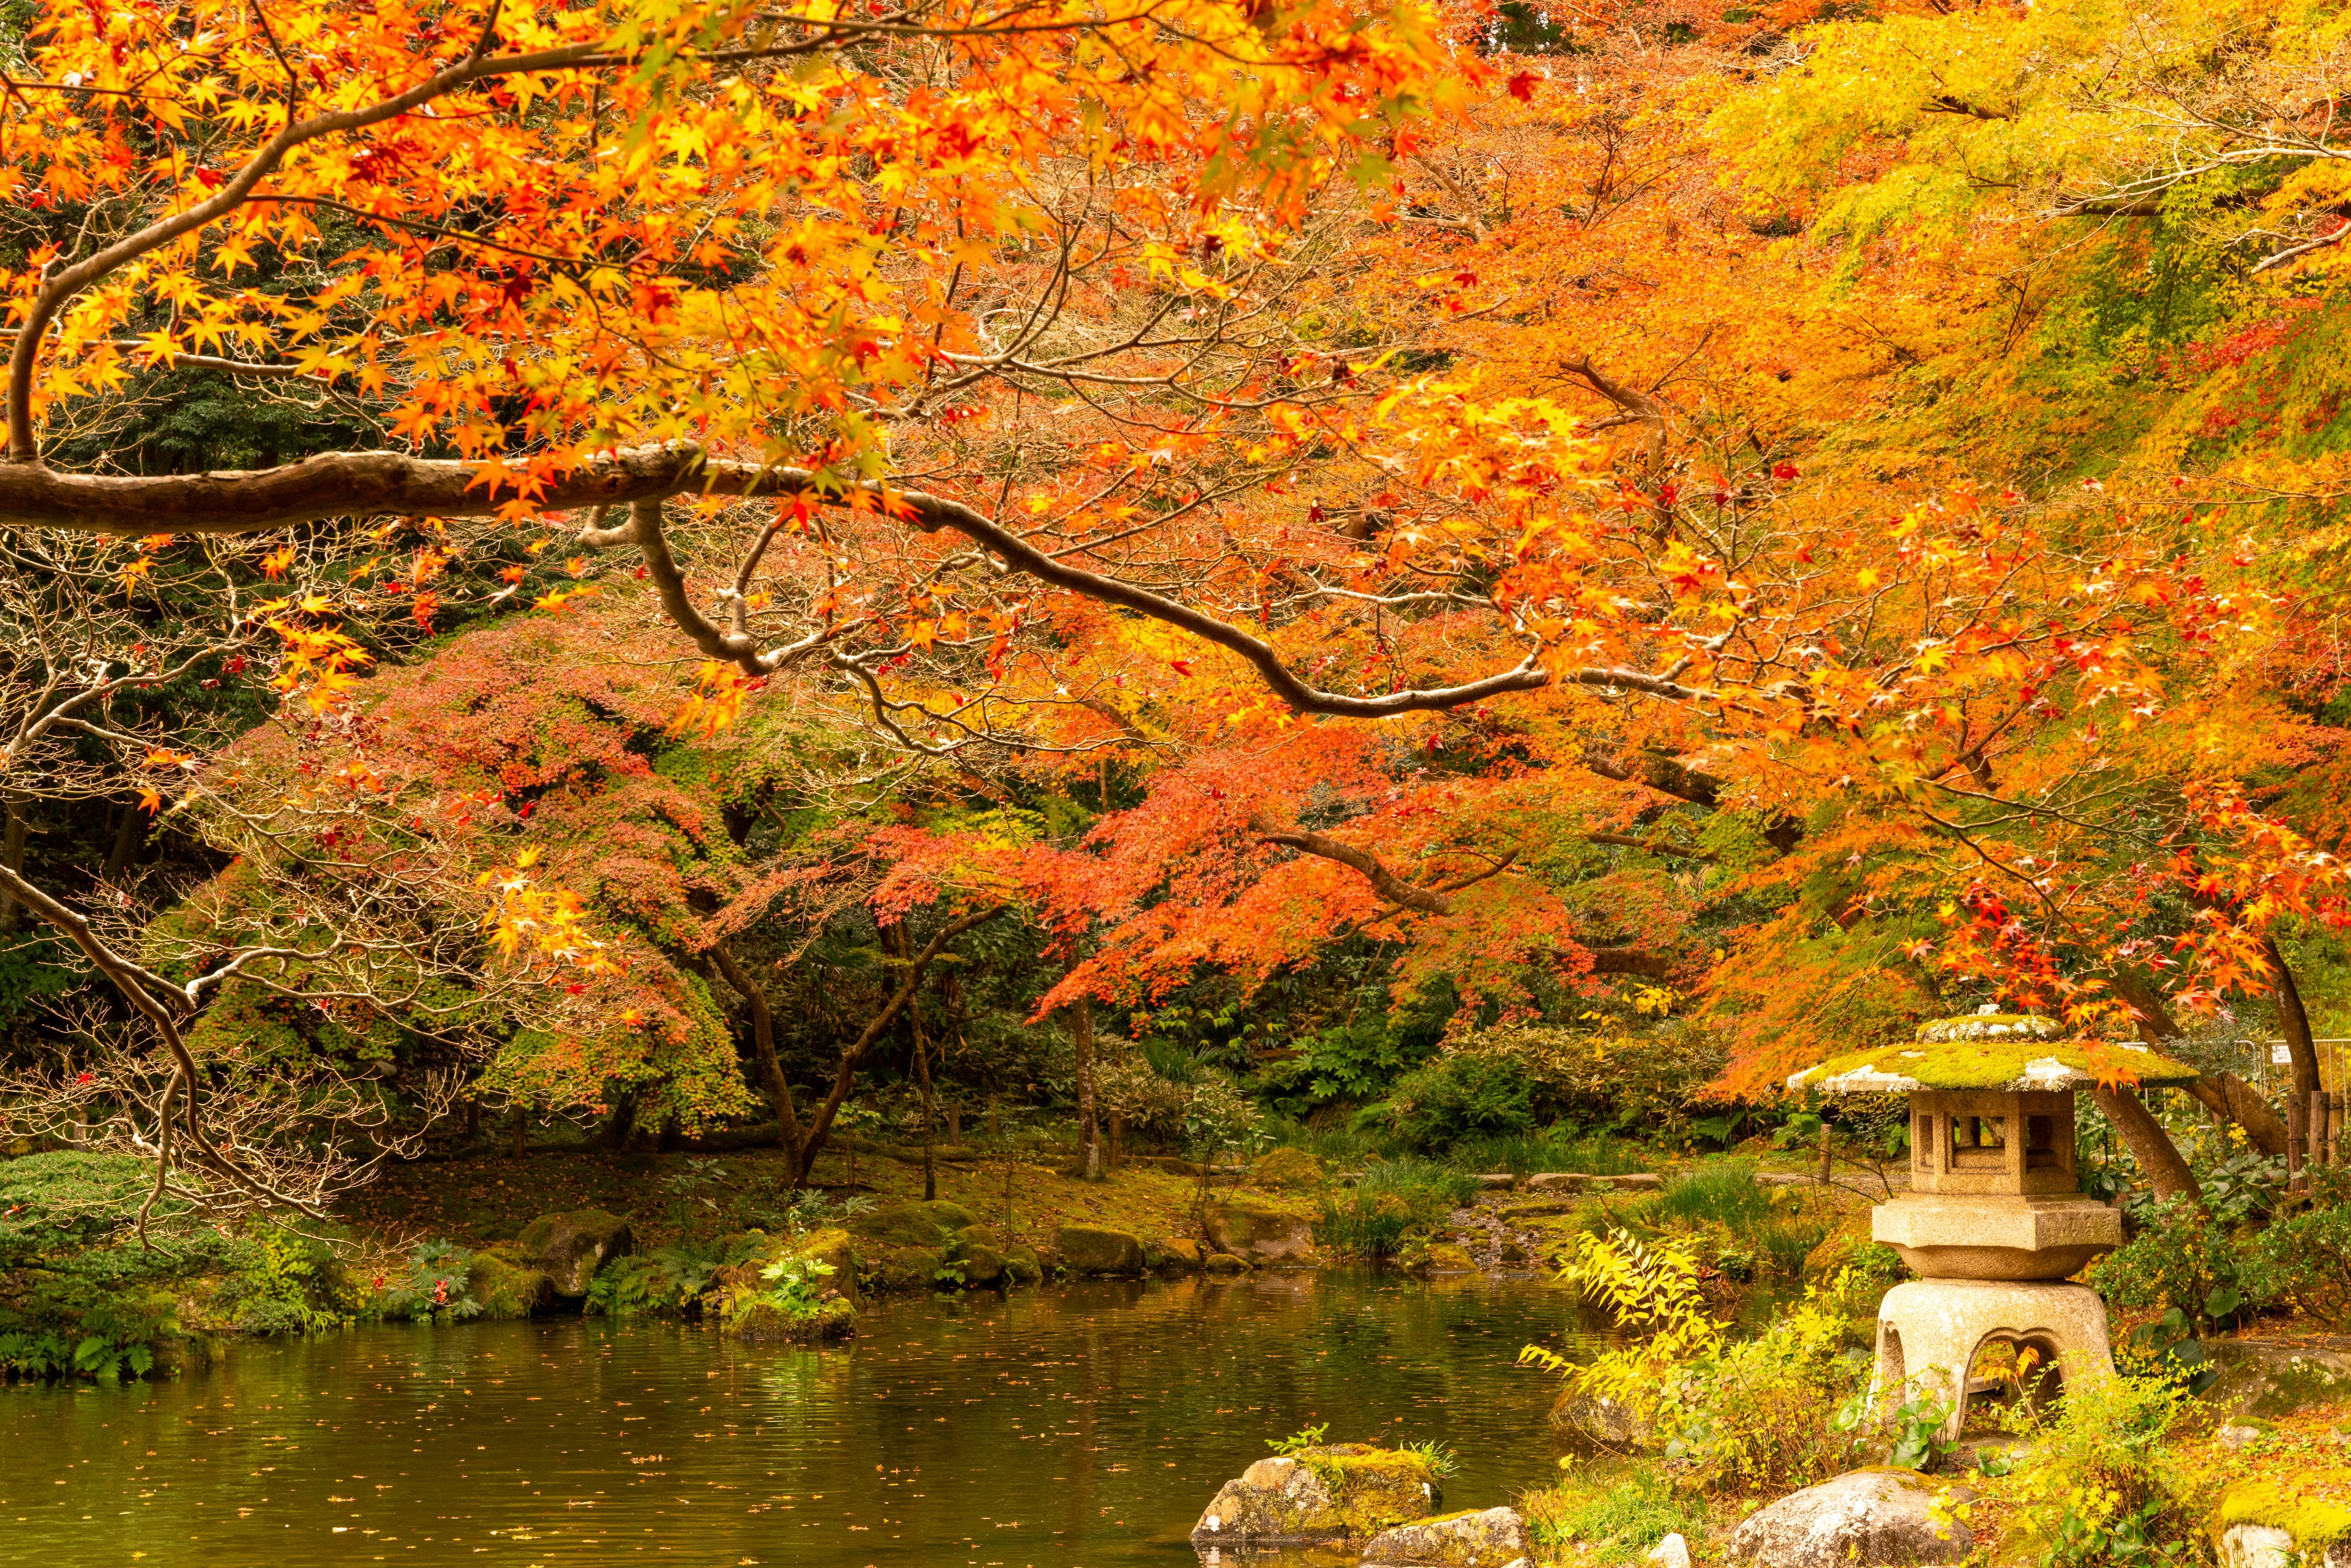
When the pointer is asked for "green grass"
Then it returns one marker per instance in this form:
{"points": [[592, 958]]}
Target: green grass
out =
{"points": [[1527, 1153], [1752, 1235], [1618, 1522], [1395, 1200]]}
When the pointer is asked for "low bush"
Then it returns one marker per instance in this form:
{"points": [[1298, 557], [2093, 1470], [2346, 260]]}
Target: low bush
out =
{"points": [[81, 1295], [2185, 1259], [1742, 1416], [2303, 1261], [2097, 1485]]}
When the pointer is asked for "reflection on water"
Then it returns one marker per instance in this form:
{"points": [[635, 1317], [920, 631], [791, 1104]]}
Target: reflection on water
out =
{"points": [[1079, 1425]]}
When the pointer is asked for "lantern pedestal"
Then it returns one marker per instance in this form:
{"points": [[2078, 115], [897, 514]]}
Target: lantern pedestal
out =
{"points": [[1928, 1331]]}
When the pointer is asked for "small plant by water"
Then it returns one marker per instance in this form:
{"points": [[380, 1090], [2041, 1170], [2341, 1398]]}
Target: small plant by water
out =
{"points": [[1304, 1438]]}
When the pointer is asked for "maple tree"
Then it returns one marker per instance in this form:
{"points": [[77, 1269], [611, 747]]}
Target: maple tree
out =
{"points": [[1625, 522]]}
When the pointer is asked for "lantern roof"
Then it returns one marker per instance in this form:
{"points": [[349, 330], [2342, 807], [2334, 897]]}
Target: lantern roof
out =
{"points": [[1992, 1050]]}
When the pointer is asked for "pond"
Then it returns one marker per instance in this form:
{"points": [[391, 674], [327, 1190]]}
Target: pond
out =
{"points": [[1075, 1426]]}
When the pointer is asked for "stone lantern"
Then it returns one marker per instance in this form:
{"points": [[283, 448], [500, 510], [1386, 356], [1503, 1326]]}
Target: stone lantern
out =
{"points": [[1995, 1220]]}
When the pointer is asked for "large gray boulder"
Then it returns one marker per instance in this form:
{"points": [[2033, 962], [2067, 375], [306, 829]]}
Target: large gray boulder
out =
{"points": [[572, 1246], [1259, 1231], [1489, 1537], [1867, 1519]]}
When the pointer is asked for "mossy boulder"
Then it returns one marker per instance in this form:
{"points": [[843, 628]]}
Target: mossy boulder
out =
{"points": [[1288, 1167], [833, 1248], [1446, 1258], [885, 1270], [763, 1318], [1097, 1250], [1259, 1231], [1865, 1516], [509, 1284], [1481, 1537], [914, 1224], [2262, 1522], [980, 1251], [1340, 1495], [2261, 1378], [1225, 1263], [571, 1246]]}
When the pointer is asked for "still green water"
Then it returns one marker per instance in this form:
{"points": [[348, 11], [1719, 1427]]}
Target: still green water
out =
{"points": [[1068, 1427]]}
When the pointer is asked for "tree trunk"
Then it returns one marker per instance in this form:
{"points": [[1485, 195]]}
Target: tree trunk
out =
{"points": [[923, 1077], [2224, 1094], [126, 840], [763, 1046], [2231, 1098], [12, 855], [1081, 1030], [2301, 1051], [845, 1078], [2167, 1172]]}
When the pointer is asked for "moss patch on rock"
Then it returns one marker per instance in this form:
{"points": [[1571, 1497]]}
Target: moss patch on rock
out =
{"points": [[509, 1284], [1097, 1250], [2314, 1523], [914, 1223]]}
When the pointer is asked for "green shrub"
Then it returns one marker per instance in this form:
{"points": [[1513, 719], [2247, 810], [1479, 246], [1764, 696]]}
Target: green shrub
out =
{"points": [[80, 1295], [1745, 1231], [2184, 1259], [287, 1284], [1758, 1416], [1462, 1096], [1554, 1149], [668, 1279], [1350, 1063], [2304, 1263]]}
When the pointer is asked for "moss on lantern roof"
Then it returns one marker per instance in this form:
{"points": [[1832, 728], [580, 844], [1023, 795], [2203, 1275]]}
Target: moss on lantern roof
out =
{"points": [[1991, 1050]]}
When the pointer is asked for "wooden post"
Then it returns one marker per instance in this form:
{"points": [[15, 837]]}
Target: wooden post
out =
{"points": [[1824, 1151], [2297, 1133]]}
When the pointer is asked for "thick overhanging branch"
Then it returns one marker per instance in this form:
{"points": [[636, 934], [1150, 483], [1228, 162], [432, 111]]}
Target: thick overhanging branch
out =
{"points": [[385, 484]]}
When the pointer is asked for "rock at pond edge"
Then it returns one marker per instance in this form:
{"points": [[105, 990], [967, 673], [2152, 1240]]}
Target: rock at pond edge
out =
{"points": [[1259, 1231], [508, 1283], [1337, 1495], [1866, 1517], [1097, 1250], [571, 1246], [1485, 1538]]}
